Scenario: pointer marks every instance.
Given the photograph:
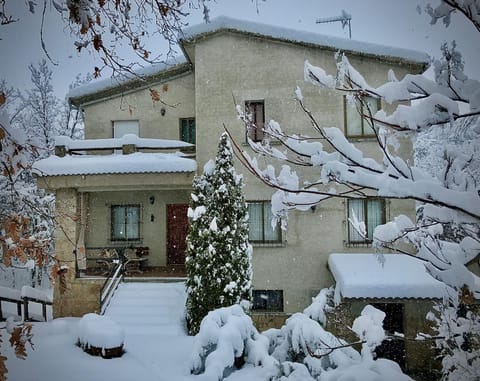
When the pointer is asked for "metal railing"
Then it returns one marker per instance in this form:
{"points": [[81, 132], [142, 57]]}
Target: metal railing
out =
{"points": [[110, 285]]}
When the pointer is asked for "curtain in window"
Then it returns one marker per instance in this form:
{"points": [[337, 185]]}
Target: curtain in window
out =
{"points": [[118, 226], [374, 216], [354, 122], [270, 233], [125, 222], [255, 221], [132, 219], [357, 207], [372, 104]]}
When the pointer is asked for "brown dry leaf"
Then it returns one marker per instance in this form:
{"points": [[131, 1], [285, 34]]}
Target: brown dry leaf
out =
{"points": [[97, 42], [3, 98], [2, 133], [155, 95], [165, 87], [19, 337], [3, 368]]}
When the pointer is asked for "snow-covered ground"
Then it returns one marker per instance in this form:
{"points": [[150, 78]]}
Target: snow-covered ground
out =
{"points": [[157, 347], [150, 318]]}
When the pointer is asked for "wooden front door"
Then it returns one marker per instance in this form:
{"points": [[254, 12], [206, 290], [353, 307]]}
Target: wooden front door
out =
{"points": [[177, 229]]}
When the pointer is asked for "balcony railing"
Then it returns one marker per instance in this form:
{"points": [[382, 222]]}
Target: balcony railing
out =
{"points": [[127, 144]]}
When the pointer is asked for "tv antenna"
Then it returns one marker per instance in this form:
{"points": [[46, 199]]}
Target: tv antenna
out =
{"points": [[345, 18]]}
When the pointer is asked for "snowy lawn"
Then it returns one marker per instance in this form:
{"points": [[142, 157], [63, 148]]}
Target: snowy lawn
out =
{"points": [[149, 319]]}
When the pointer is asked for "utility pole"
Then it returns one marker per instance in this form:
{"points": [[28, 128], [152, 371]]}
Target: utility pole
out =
{"points": [[345, 19]]}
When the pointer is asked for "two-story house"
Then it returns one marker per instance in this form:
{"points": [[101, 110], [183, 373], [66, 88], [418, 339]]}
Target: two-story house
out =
{"points": [[139, 199]]}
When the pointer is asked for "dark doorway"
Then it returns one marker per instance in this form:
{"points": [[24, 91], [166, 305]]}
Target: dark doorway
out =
{"points": [[177, 229], [393, 322]]}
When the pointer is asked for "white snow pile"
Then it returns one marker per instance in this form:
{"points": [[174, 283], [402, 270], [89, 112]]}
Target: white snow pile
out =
{"points": [[399, 276], [301, 350], [291, 35], [99, 331], [138, 162]]}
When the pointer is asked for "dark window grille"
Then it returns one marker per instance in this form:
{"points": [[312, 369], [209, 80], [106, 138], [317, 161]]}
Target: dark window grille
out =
{"points": [[268, 300], [125, 224], [260, 228], [255, 114]]}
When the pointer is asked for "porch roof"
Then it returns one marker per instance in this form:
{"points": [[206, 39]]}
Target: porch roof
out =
{"points": [[137, 162], [362, 275]]}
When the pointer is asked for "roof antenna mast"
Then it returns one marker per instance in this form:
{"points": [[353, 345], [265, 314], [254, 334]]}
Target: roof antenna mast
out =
{"points": [[345, 18]]}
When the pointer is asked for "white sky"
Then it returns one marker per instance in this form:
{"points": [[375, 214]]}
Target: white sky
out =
{"points": [[388, 22]]}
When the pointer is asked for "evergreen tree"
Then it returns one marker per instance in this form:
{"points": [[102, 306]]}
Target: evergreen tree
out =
{"points": [[218, 253]]}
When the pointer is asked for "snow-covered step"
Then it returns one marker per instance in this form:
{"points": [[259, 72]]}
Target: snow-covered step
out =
{"points": [[149, 308]]}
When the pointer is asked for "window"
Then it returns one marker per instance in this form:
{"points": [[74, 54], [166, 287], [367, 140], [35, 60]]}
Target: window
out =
{"points": [[125, 222], [355, 123], [124, 127], [371, 212], [260, 228], [268, 300], [187, 130], [255, 113]]}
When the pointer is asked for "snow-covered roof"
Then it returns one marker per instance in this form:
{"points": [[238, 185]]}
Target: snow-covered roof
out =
{"points": [[137, 77], [296, 36], [137, 162], [364, 276]]}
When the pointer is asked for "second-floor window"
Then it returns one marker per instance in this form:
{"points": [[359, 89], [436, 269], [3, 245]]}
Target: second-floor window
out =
{"points": [[356, 124], [260, 223], [371, 212], [255, 113], [187, 130], [124, 127], [125, 222]]}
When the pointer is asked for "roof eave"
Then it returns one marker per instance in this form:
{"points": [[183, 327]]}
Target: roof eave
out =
{"points": [[131, 85]]}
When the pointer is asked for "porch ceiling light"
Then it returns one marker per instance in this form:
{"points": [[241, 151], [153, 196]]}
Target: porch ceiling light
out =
{"points": [[152, 200]]}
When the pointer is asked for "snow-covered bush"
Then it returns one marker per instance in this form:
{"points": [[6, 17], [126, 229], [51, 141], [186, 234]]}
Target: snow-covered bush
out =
{"points": [[218, 257], [227, 334], [301, 350]]}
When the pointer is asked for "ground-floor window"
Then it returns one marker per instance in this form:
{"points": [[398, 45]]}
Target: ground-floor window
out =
{"points": [[125, 222], [268, 300]]}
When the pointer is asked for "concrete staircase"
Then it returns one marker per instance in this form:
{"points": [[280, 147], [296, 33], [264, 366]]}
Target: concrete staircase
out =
{"points": [[145, 308]]}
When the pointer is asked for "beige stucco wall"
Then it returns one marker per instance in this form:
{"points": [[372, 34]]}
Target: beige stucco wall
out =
{"points": [[177, 98], [247, 68]]}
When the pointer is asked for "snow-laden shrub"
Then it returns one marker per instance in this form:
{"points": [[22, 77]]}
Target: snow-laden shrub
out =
{"points": [[302, 350], [227, 334]]}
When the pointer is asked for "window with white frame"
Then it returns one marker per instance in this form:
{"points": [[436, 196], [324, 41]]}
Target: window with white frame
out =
{"points": [[124, 127], [371, 212], [125, 222], [260, 223], [356, 124]]}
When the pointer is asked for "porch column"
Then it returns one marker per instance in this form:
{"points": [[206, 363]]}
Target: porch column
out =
{"points": [[65, 239]]}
